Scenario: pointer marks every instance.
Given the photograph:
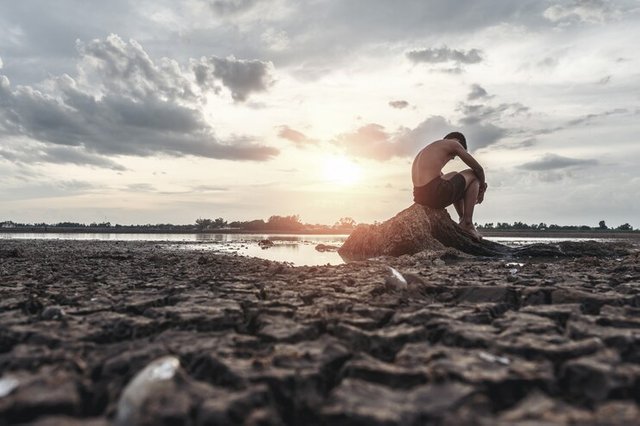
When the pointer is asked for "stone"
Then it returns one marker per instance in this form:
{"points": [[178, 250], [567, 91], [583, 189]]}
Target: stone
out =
{"points": [[595, 378], [373, 370], [46, 392], [356, 402], [414, 229]]}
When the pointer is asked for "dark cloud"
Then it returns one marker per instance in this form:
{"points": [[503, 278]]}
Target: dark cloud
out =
{"points": [[445, 54], [477, 92], [58, 155], [556, 162], [292, 135], [124, 103], [232, 7], [398, 104], [476, 113], [241, 77]]}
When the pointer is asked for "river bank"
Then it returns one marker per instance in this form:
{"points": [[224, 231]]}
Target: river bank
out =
{"points": [[466, 341]]}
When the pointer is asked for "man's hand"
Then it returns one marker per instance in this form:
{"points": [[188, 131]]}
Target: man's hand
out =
{"points": [[481, 191]]}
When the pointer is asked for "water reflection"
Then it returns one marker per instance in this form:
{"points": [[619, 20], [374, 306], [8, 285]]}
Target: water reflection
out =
{"points": [[296, 249]]}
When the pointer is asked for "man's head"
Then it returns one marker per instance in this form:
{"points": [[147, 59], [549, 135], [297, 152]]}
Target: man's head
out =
{"points": [[459, 137]]}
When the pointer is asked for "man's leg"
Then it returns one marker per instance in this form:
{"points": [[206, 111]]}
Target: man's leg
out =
{"points": [[470, 199], [459, 205]]}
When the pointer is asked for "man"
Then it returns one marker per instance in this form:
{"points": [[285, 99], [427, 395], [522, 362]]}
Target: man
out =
{"points": [[464, 189]]}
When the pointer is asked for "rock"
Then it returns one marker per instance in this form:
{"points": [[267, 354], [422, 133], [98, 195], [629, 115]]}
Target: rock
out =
{"points": [[539, 409], [252, 406], [383, 343], [52, 313], [505, 379], [356, 402], [373, 370], [282, 329], [617, 413], [46, 392], [70, 421], [595, 378], [8, 384], [265, 243], [326, 247], [153, 379], [414, 229], [395, 280], [556, 349]]}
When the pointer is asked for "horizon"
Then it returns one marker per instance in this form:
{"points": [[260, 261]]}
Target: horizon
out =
{"points": [[493, 225], [135, 112]]}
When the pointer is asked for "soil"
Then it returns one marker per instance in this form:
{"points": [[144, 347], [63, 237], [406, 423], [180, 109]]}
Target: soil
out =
{"points": [[467, 340]]}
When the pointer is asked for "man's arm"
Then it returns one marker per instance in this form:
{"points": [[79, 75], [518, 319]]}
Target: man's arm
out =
{"points": [[471, 162]]}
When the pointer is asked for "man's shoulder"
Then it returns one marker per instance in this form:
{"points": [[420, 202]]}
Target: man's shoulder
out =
{"points": [[444, 144]]}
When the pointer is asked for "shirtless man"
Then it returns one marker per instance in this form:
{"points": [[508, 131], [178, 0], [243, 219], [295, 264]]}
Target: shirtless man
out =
{"points": [[464, 189]]}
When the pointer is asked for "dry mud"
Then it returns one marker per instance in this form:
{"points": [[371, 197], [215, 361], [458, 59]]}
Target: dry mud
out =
{"points": [[468, 341]]}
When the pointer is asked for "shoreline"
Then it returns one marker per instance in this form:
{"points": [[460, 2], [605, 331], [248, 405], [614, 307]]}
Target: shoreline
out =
{"points": [[608, 234]]}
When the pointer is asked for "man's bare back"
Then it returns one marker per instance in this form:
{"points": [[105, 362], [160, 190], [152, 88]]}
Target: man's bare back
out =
{"points": [[436, 190]]}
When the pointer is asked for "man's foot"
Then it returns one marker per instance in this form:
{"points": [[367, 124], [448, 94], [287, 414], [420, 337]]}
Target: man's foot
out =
{"points": [[471, 230]]}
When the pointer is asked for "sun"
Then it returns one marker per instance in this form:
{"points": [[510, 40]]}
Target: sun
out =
{"points": [[340, 170]]}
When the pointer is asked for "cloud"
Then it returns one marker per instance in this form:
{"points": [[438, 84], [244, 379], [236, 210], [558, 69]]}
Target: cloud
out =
{"points": [[477, 92], [445, 54], [209, 188], [232, 7], [555, 162], [586, 119], [58, 155], [525, 143], [292, 135], [241, 77], [124, 103], [591, 11], [475, 113], [141, 187], [398, 104], [373, 141]]}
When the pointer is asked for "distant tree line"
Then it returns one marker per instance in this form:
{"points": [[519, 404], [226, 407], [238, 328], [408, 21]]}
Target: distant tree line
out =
{"points": [[274, 223], [520, 226], [291, 224]]}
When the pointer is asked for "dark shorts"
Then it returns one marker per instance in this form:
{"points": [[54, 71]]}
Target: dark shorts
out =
{"points": [[440, 193]]}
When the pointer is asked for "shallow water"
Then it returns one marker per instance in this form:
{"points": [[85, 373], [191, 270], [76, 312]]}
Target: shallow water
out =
{"points": [[296, 249]]}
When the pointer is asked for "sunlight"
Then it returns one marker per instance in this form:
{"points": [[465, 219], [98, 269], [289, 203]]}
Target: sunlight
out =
{"points": [[340, 170]]}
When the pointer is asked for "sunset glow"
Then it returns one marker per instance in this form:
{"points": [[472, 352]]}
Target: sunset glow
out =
{"points": [[247, 108], [342, 171]]}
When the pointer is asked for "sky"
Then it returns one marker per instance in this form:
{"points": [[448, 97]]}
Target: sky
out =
{"points": [[138, 112]]}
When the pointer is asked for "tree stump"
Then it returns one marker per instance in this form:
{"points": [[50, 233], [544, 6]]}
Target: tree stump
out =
{"points": [[415, 229]]}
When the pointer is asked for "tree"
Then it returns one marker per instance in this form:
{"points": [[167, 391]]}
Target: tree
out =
{"points": [[345, 223], [219, 223], [285, 223], [602, 225], [625, 227], [203, 224]]}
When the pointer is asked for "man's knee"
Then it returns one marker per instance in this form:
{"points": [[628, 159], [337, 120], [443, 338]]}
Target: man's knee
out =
{"points": [[469, 176]]}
